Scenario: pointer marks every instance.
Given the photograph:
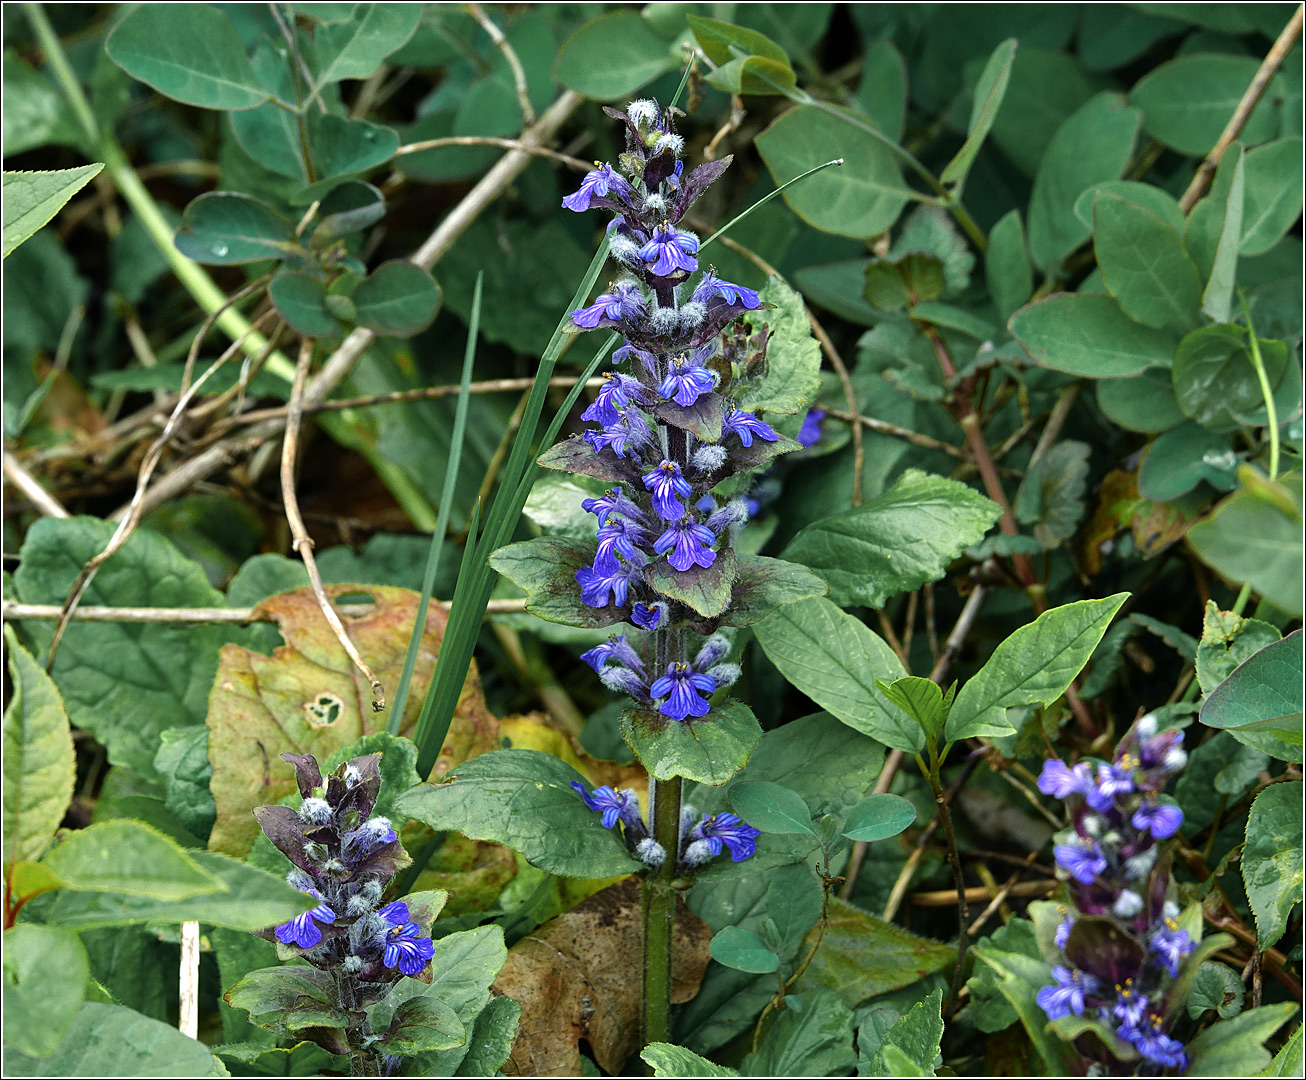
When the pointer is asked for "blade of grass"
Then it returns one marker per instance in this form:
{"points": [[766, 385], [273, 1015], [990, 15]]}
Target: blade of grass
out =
{"points": [[442, 518]]}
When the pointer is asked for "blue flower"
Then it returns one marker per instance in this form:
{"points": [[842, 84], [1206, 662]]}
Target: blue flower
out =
{"points": [[615, 648], [615, 394], [1062, 933], [1155, 1045], [1083, 864], [746, 425], [599, 181], [623, 302], [673, 181], [406, 949], [603, 578], [647, 616], [1061, 782], [621, 536], [666, 483], [1067, 996], [1171, 945], [1160, 819], [1112, 780], [302, 930], [631, 431], [613, 805], [810, 433], [686, 382], [670, 250], [613, 501], [727, 829], [711, 286], [1130, 1007], [680, 686], [688, 542]]}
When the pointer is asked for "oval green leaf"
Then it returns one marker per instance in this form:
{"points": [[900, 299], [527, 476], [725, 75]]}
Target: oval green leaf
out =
{"points": [[1088, 334], [878, 818], [743, 950], [397, 299], [223, 228], [612, 56], [773, 808]]}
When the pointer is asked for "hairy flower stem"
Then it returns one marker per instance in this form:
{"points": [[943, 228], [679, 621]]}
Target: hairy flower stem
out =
{"points": [[660, 910]]}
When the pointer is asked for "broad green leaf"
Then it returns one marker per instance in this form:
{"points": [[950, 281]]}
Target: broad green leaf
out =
{"points": [[131, 858], [1159, 202], [342, 146], [109, 1040], [224, 227], [773, 808], [1217, 297], [793, 904], [249, 899], [721, 41], [491, 1038], [834, 658], [288, 999], [39, 766], [422, 1024], [1253, 542], [356, 47], [353, 206], [189, 52], [545, 569], [916, 1035], [882, 93], [896, 542], [762, 585], [1273, 194], [1272, 856], [668, 1060], [1007, 272], [1031, 667], [1019, 979], [1110, 37], [35, 113], [270, 135], [1182, 458], [708, 750], [45, 976], [612, 56], [989, 91], [126, 683], [793, 356], [920, 699], [258, 1059], [754, 75], [1143, 402], [1051, 496], [1093, 145], [1214, 380], [879, 817], [301, 301], [1260, 703], [743, 950], [397, 299], [1236, 1047], [183, 765], [1187, 102], [1088, 334], [32, 198], [524, 799], [1144, 265], [862, 198], [988, 1009], [704, 589], [1288, 1061], [816, 1041], [1216, 986]]}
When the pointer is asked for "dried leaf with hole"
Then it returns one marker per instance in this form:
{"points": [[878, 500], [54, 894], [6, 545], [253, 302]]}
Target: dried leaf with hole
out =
{"points": [[579, 977]]}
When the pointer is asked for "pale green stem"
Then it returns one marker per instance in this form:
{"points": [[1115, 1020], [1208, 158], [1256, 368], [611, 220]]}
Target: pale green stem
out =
{"points": [[1271, 413]]}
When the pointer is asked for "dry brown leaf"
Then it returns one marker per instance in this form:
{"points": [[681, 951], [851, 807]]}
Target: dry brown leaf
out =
{"points": [[308, 698], [579, 976]]}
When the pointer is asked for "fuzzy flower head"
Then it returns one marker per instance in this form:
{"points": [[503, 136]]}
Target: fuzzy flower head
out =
{"points": [[689, 544], [303, 930], [728, 830], [686, 382], [611, 804], [682, 686], [668, 487], [599, 182], [622, 302], [670, 252]]}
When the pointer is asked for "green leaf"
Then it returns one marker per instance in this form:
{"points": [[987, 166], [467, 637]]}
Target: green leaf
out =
{"points": [[917, 1035], [270, 135], [1235, 1047], [126, 683], [882, 92], [492, 1038], [1031, 667], [1261, 702], [288, 999], [45, 976], [39, 765], [32, 198], [223, 228], [989, 92], [35, 113], [816, 1041], [1288, 1061], [611, 57], [793, 356], [862, 198], [257, 1059], [1187, 102], [896, 542], [109, 1040], [762, 585], [249, 899], [1051, 496], [1273, 194], [524, 799], [1182, 458], [709, 749], [754, 75], [772, 808], [722, 41], [879, 817], [353, 206], [743, 950], [1217, 298], [545, 569], [1218, 987], [1159, 202], [1144, 265], [1007, 272], [301, 301], [1214, 380], [1143, 402], [1272, 857], [704, 589], [1019, 979], [834, 658], [397, 299], [357, 46], [1253, 542], [1088, 334], [341, 147], [1093, 145], [183, 764], [920, 699], [793, 904], [668, 1060], [421, 1024], [189, 52], [129, 857]]}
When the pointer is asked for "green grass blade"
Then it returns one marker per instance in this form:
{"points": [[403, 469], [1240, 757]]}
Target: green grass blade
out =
{"points": [[442, 519]]}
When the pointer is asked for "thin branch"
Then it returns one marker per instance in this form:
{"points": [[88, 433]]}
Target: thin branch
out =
{"points": [[999, 898], [242, 616], [28, 485], [188, 1022], [1280, 49], [882, 427], [301, 541], [489, 140], [1056, 420], [514, 62], [948, 897]]}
